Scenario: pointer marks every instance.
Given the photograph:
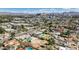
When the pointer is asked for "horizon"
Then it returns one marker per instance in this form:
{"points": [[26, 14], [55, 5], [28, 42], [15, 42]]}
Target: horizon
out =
{"points": [[38, 10]]}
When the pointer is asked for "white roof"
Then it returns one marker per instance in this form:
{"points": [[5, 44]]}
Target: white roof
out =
{"points": [[62, 48]]}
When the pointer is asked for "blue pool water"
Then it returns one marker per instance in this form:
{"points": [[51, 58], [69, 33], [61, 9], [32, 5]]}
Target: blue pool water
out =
{"points": [[29, 48]]}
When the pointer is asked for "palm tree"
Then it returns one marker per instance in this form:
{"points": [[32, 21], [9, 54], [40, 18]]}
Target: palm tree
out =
{"points": [[12, 35]]}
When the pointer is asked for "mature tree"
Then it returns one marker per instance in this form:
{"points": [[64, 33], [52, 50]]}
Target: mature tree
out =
{"points": [[2, 30]]}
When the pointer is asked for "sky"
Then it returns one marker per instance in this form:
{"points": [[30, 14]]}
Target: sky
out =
{"points": [[39, 10]]}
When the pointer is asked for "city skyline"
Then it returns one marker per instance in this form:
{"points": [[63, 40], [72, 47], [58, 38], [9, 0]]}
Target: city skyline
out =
{"points": [[39, 10]]}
